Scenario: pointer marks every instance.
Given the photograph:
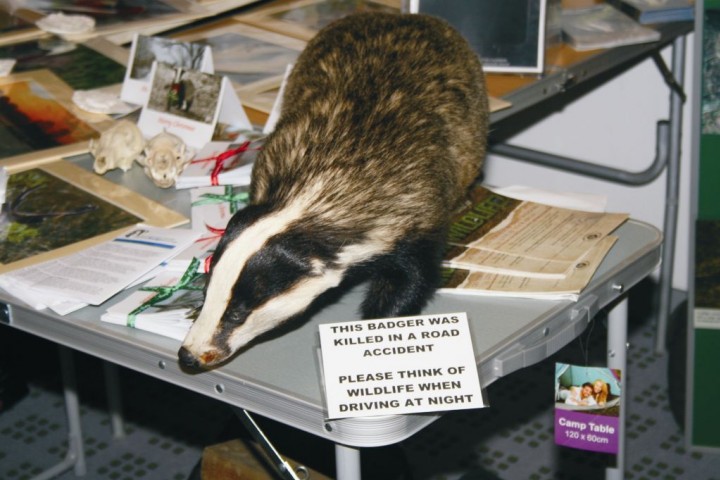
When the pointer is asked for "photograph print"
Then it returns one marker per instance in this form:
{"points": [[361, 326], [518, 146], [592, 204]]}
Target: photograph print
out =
{"points": [[33, 118], [44, 213], [711, 73], [80, 66], [509, 36], [587, 388], [59, 208], [148, 49], [190, 94]]}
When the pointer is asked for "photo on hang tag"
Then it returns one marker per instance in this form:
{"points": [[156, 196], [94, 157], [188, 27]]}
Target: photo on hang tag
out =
{"points": [[588, 401], [182, 102], [145, 50]]}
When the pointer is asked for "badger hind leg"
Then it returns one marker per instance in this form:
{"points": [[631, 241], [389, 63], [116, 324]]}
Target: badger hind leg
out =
{"points": [[402, 282]]}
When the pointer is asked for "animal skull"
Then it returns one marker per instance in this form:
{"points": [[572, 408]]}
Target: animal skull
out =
{"points": [[165, 157], [117, 147]]}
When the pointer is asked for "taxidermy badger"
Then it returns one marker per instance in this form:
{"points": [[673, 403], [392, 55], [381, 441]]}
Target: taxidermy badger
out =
{"points": [[383, 128]]}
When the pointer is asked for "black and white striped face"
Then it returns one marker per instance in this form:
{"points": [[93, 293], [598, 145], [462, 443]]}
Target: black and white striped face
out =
{"points": [[263, 273]]}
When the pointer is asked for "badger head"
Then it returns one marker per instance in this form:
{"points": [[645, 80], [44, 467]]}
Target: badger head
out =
{"points": [[267, 269]]}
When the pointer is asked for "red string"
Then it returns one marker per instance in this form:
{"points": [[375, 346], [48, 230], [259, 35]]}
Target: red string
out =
{"points": [[217, 233], [219, 160]]}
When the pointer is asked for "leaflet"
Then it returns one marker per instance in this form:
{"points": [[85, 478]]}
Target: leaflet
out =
{"points": [[93, 275], [496, 234], [469, 282]]}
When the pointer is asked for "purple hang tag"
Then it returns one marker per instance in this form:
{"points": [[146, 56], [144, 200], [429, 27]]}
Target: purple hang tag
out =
{"points": [[586, 431], [587, 408]]}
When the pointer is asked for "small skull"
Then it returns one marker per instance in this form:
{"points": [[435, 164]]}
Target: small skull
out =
{"points": [[165, 157], [117, 147]]}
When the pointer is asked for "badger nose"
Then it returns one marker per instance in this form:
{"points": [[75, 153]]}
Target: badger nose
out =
{"points": [[187, 359]]}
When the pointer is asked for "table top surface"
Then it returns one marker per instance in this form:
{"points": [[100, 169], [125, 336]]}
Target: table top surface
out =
{"points": [[280, 376]]}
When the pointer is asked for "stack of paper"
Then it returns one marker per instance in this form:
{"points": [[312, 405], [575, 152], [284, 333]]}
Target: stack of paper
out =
{"points": [[603, 27], [211, 210], [93, 275], [167, 305], [658, 11], [221, 163], [499, 245]]}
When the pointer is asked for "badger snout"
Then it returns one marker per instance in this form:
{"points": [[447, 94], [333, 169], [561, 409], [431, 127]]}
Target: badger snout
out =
{"points": [[204, 360], [187, 359]]}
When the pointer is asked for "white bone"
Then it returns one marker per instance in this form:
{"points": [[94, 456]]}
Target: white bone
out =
{"points": [[117, 147], [165, 157]]}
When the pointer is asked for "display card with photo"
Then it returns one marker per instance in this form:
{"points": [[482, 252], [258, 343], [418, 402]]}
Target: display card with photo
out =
{"points": [[189, 104], [146, 49]]}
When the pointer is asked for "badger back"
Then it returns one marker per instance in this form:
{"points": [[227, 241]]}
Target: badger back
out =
{"points": [[380, 111]]}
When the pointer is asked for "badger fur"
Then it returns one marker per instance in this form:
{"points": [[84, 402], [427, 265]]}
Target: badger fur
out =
{"points": [[383, 128]]}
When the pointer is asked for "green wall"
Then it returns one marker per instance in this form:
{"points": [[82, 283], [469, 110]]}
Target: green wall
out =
{"points": [[705, 360]]}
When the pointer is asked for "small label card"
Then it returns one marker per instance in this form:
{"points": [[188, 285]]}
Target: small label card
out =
{"points": [[587, 407], [400, 365]]}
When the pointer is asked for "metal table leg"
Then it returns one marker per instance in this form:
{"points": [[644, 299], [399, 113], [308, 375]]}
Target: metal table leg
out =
{"points": [[347, 463], [617, 359], [672, 195], [75, 456], [114, 397]]}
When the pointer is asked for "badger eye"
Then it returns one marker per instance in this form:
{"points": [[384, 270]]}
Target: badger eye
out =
{"points": [[271, 271]]}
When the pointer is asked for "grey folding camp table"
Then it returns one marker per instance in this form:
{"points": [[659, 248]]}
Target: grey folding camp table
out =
{"points": [[280, 377]]}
